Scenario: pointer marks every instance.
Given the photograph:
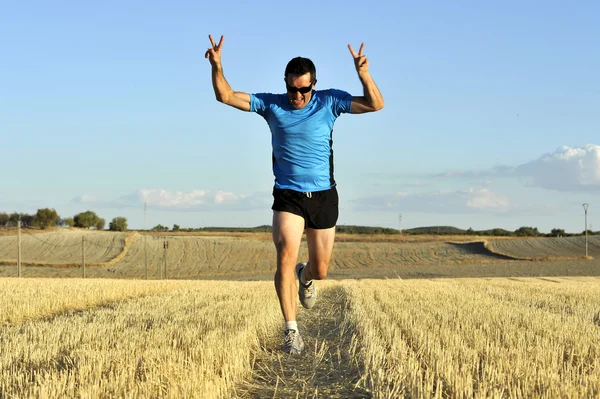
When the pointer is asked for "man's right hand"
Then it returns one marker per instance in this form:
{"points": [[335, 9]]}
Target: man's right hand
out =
{"points": [[214, 53]]}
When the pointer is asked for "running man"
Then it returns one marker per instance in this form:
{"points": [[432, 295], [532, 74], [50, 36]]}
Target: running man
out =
{"points": [[305, 196]]}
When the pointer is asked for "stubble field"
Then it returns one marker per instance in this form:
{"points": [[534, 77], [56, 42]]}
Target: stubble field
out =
{"points": [[242, 256], [396, 318], [438, 338]]}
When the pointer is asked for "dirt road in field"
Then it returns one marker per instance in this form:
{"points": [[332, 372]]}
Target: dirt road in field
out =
{"points": [[324, 369]]}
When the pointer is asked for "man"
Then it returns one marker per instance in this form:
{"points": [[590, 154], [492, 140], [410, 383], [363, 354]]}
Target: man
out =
{"points": [[305, 197]]}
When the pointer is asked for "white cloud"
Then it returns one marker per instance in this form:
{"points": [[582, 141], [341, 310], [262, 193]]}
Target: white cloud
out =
{"points": [[160, 198], [195, 200], [496, 171], [443, 201], [484, 199], [567, 169], [84, 199]]}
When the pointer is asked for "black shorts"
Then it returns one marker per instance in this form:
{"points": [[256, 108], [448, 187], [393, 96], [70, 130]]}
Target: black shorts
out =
{"points": [[319, 208]]}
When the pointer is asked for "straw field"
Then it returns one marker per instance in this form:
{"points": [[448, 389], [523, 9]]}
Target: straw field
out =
{"points": [[521, 338], [175, 339]]}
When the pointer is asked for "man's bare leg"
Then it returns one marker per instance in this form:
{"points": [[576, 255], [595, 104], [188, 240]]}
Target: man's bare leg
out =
{"points": [[320, 248], [287, 235]]}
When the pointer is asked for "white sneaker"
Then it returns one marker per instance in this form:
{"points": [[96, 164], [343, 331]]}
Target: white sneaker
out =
{"points": [[292, 342], [307, 293]]}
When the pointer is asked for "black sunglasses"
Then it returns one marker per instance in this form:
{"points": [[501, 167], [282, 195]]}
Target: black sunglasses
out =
{"points": [[303, 90]]}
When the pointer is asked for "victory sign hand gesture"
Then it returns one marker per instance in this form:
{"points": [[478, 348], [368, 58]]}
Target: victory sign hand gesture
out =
{"points": [[214, 53], [360, 61]]}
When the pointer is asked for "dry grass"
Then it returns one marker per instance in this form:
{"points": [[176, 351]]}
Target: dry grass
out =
{"points": [[192, 340], [477, 338], [29, 299]]}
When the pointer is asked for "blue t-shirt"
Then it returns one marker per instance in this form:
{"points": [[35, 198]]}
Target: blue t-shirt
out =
{"points": [[302, 138]]}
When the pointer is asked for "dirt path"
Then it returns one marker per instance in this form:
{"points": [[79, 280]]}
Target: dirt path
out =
{"points": [[324, 369]]}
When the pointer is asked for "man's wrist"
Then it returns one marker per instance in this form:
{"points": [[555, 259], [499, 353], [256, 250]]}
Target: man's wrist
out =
{"points": [[363, 76]]}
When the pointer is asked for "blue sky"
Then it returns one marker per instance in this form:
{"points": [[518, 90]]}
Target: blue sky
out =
{"points": [[491, 110]]}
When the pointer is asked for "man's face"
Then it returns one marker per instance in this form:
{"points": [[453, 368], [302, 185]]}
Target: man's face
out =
{"points": [[303, 83]]}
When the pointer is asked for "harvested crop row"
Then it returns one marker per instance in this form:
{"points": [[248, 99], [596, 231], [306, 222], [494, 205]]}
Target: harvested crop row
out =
{"points": [[195, 341], [27, 299], [450, 338]]}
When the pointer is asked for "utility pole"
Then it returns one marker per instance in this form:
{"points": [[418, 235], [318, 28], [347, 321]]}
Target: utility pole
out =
{"points": [[585, 209], [145, 246], [400, 223], [19, 247], [83, 255]]}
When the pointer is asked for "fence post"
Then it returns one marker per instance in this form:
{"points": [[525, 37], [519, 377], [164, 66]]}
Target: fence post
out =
{"points": [[166, 246], [83, 255], [160, 269], [19, 248]]}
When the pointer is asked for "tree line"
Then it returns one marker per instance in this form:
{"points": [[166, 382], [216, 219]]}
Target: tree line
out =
{"points": [[47, 217], [523, 231]]}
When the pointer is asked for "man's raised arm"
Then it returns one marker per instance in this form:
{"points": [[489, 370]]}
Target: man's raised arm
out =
{"points": [[371, 100], [223, 91]]}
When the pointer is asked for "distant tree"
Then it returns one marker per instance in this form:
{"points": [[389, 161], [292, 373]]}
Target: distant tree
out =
{"points": [[160, 227], [500, 232], [557, 232], [527, 231], [176, 227], [3, 219], [26, 219], [86, 219], [470, 231], [118, 224], [69, 222], [100, 224], [46, 217]]}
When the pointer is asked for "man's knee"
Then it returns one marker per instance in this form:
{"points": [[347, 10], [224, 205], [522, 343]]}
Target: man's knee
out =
{"points": [[285, 254], [320, 271]]}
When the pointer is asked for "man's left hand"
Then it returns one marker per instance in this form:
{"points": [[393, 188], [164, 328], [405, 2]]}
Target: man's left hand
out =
{"points": [[360, 61]]}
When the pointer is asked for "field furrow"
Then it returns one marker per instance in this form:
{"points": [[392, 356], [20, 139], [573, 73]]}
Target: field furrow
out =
{"points": [[546, 248]]}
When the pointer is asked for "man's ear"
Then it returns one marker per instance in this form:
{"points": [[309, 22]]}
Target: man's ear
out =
{"points": [[314, 83]]}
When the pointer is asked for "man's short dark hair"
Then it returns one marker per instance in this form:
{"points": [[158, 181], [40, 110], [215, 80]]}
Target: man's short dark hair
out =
{"points": [[299, 66]]}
